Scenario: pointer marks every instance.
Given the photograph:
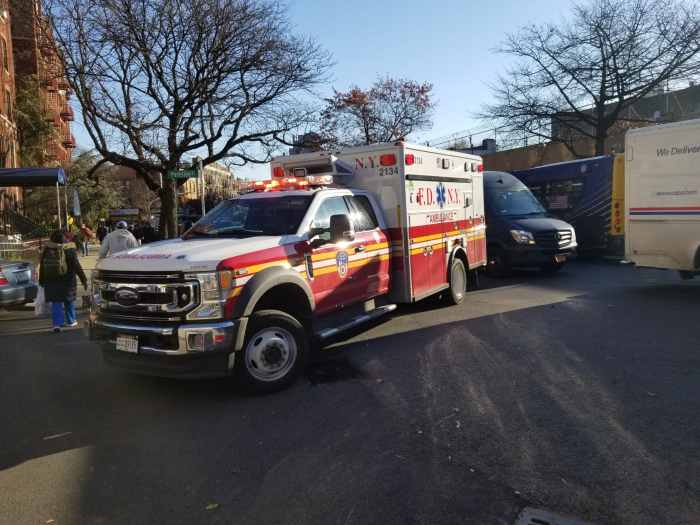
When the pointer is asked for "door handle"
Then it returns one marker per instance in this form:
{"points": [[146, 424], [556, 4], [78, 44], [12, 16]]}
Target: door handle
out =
{"points": [[359, 249]]}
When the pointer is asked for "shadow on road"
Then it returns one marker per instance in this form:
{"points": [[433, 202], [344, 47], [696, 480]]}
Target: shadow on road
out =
{"points": [[587, 405]]}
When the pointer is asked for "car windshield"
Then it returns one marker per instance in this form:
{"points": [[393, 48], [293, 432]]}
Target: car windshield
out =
{"points": [[516, 202], [251, 216]]}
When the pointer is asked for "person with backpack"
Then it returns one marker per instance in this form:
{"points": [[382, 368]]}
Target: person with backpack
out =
{"points": [[59, 267]]}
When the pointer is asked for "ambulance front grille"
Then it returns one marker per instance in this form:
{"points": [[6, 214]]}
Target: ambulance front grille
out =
{"points": [[145, 295]]}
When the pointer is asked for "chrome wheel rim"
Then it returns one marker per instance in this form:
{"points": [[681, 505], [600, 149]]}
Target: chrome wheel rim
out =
{"points": [[459, 281], [270, 354]]}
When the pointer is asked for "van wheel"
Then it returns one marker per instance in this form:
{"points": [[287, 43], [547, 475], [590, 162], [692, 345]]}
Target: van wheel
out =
{"points": [[458, 282], [274, 353]]}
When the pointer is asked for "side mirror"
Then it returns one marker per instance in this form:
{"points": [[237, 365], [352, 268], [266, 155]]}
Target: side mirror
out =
{"points": [[341, 229], [317, 242]]}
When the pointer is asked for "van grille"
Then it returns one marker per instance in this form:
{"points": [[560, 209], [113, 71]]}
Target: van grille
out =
{"points": [[553, 240]]}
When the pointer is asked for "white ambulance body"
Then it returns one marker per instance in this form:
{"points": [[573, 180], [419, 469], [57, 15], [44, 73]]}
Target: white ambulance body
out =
{"points": [[662, 197], [332, 241], [432, 201]]}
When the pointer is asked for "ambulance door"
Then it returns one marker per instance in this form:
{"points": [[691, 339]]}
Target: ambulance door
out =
{"points": [[332, 283], [369, 264], [426, 237]]}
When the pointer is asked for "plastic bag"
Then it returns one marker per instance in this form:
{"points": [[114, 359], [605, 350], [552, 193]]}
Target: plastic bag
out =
{"points": [[41, 309]]}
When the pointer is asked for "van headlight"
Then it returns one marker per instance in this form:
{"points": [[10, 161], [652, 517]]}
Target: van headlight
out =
{"points": [[522, 237], [214, 288]]}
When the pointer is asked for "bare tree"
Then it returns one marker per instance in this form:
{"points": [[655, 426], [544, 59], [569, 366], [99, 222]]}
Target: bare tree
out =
{"points": [[159, 81], [389, 110], [575, 80]]}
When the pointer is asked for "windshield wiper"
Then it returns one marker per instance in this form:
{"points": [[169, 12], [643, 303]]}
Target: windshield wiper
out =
{"points": [[237, 231]]}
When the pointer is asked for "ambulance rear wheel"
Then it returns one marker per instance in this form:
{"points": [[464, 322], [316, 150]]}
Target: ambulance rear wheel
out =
{"points": [[274, 352], [458, 282]]}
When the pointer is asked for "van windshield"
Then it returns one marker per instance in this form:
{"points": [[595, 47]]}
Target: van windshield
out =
{"points": [[513, 202], [250, 217]]}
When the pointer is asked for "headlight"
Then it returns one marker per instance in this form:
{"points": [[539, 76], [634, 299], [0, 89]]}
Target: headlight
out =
{"points": [[522, 237], [214, 288]]}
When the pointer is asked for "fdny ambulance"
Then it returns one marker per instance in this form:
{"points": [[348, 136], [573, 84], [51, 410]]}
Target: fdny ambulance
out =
{"points": [[331, 241]]}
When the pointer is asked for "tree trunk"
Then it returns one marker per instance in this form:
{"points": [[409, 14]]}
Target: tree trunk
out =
{"points": [[601, 135], [168, 208]]}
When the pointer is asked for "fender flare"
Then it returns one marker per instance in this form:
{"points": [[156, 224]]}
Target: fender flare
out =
{"points": [[263, 282], [453, 254]]}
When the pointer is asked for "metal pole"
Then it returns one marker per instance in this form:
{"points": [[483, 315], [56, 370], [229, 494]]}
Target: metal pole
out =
{"points": [[65, 195], [58, 206]]}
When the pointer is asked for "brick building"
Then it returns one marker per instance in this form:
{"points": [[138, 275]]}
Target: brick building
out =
{"points": [[219, 184], [35, 54], [9, 197]]}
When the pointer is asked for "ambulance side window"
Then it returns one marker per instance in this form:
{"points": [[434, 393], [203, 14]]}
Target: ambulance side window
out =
{"points": [[361, 213], [321, 225]]}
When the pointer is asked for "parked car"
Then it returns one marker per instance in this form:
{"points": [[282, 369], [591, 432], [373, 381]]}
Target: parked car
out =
{"points": [[519, 231], [17, 283]]}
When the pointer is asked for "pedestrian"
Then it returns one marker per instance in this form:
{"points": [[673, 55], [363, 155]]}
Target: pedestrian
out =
{"points": [[87, 236], [59, 267], [119, 240], [102, 231], [149, 233]]}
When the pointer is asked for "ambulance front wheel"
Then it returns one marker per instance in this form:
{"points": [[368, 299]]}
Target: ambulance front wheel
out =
{"points": [[274, 352], [458, 282]]}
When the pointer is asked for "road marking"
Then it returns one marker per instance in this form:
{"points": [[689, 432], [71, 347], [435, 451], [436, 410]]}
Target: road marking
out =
{"points": [[56, 436], [532, 516]]}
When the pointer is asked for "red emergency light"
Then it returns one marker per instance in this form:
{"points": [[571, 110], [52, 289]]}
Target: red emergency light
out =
{"points": [[388, 159], [410, 159], [480, 168], [278, 172]]}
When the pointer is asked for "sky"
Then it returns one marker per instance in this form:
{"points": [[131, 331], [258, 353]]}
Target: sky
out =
{"points": [[449, 43]]}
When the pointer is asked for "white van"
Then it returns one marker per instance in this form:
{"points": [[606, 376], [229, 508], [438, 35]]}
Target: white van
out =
{"points": [[662, 189]]}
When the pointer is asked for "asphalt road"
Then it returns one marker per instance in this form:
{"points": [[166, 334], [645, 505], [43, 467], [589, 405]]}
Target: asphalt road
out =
{"points": [[578, 392]]}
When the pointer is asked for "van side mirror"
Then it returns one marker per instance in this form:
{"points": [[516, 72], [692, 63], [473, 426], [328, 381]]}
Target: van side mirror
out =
{"points": [[341, 229]]}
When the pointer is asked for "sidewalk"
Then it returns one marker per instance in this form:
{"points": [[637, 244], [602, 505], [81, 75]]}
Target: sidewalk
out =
{"points": [[88, 263]]}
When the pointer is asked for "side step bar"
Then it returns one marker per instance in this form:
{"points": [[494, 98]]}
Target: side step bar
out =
{"points": [[329, 333]]}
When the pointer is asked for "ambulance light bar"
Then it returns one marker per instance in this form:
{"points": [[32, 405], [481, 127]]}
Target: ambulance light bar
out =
{"points": [[288, 183]]}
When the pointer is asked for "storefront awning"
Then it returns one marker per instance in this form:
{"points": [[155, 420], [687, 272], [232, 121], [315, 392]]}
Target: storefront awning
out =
{"points": [[32, 177]]}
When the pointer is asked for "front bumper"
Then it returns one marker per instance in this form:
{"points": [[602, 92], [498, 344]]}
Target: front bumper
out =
{"points": [[188, 350], [533, 255], [14, 295]]}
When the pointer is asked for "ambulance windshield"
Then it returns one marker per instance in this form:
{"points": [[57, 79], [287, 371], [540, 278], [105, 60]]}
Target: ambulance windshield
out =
{"points": [[249, 217], [513, 202]]}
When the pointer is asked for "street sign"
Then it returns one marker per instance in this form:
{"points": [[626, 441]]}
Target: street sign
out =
{"points": [[182, 174]]}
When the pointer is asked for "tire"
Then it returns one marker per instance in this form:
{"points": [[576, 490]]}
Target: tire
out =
{"points": [[459, 280], [552, 267], [274, 353], [498, 264]]}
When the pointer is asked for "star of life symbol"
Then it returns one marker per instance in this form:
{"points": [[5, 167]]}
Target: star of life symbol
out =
{"points": [[441, 198], [341, 260]]}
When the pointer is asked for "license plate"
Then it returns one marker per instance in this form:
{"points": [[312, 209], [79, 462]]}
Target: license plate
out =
{"points": [[128, 343], [560, 258]]}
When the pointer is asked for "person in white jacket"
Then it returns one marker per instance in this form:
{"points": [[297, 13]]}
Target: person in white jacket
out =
{"points": [[117, 241]]}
